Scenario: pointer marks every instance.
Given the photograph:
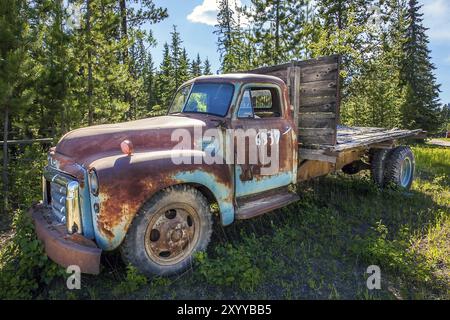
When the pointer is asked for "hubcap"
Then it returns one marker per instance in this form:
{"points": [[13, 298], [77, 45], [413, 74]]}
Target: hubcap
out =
{"points": [[405, 172], [172, 234]]}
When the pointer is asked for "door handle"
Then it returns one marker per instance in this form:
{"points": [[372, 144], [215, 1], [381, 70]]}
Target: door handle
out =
{"points": [[287, 129]]}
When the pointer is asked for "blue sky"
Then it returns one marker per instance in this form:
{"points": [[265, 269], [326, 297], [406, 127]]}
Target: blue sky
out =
{"points": [[195, 20]]}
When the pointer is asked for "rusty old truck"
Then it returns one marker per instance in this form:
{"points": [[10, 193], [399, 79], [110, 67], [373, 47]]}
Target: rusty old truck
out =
{"points": [[149, 189]]}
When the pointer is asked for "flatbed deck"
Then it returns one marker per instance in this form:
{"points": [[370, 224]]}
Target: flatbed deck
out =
{"points": [[355, 137]]}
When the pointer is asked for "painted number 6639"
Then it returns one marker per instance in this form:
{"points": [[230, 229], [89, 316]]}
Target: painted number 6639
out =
{"points": [[263, 136]]}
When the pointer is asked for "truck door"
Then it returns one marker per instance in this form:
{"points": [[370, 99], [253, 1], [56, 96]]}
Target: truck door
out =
{"points": [[264, 155]]}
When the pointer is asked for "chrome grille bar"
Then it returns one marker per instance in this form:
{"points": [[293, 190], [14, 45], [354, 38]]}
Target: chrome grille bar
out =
{"points": [[64, 198]]}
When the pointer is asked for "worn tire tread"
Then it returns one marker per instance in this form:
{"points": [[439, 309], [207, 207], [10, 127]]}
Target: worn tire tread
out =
{"points": [[377, 165], [393, 166], [127, 249]]}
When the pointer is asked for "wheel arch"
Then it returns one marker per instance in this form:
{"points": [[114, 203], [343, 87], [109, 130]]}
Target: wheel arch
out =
{"points": [[125, 185]]}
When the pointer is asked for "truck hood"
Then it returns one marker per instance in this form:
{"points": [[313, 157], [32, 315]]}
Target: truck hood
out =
{"points": [[88, 144]]}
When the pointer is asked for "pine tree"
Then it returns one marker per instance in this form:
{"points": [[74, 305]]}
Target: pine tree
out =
{"points": [[55, 69], [421, 107], [445, 118], [300, 29], [274, 22], [175, 55], [374, 95], [196, 67], [166, 82], [15, 71], [149, 81], [183, 69], [207, 67], [227, 31]]}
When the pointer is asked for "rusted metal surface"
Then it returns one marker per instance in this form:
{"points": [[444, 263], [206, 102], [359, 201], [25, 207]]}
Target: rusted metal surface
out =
{"points": [[126, 182], [171, 233], [63, 248], [249, 179], [253, 206]]}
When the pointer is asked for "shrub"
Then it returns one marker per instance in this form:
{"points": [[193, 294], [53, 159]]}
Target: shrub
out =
{"points": [[233, 266], [24, 267], [132, 282]]}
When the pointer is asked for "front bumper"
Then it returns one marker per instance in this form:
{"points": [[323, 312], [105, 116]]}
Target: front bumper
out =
{"points": [[63, 248]]}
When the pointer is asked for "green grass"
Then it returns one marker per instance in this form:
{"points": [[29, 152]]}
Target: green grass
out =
{"points": [[317, 248]]}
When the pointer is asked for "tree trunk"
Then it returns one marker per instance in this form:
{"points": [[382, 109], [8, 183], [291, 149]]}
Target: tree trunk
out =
{"points": [[90, 88], [124, 27], [277, 33], [5, 160], [124, 36]]}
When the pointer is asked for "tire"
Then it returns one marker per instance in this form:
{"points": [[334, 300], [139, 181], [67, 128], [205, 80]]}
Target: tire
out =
{"points": [[377, 165], [167, 231], [399, 168]]}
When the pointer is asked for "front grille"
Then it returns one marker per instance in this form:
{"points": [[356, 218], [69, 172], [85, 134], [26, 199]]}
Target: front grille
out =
{"points": [[58, 195]]}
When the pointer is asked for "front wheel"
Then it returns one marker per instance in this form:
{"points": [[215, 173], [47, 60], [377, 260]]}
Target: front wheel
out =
{"points": [[399, 168], [167, 231]]}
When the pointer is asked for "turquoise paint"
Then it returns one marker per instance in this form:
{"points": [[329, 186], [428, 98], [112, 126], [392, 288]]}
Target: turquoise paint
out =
{"points": [[266, 183], [221, 192], [86, 212]]}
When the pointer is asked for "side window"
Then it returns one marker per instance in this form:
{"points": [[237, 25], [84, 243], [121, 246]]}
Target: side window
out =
{"points": [[260, 103], [245, 108], [266, 102], [262, 99]]}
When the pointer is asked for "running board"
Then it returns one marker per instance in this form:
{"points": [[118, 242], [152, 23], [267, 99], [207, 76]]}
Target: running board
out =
{"points": [[257, 206]]}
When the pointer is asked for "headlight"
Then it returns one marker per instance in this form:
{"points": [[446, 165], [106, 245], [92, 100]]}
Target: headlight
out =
{"points": [[93, 182]]}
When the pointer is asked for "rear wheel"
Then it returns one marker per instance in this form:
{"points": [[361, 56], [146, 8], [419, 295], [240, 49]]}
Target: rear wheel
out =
{"points": [[377, 165], [399, 168], [167, 231]]}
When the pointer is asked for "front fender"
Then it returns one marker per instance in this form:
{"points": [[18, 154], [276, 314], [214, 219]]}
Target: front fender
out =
{"points": [[127, 182]]}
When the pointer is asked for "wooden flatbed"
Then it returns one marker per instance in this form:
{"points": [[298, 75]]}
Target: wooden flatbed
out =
{"points": [[350, 139], [356, 137]]}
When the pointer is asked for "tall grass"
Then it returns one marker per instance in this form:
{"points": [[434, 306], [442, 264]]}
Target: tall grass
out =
{"points": [[319, 247]]}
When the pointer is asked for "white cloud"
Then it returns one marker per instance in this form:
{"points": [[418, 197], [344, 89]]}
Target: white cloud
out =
{"points": [[436, 18], [206, 12]]}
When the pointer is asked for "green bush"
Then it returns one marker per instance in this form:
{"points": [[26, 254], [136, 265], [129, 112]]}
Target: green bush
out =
{"points": [[232, 267], [132, 282], [24, 267]]}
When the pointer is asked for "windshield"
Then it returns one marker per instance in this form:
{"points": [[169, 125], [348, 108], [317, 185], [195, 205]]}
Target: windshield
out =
{"points": [[212, 98]]}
